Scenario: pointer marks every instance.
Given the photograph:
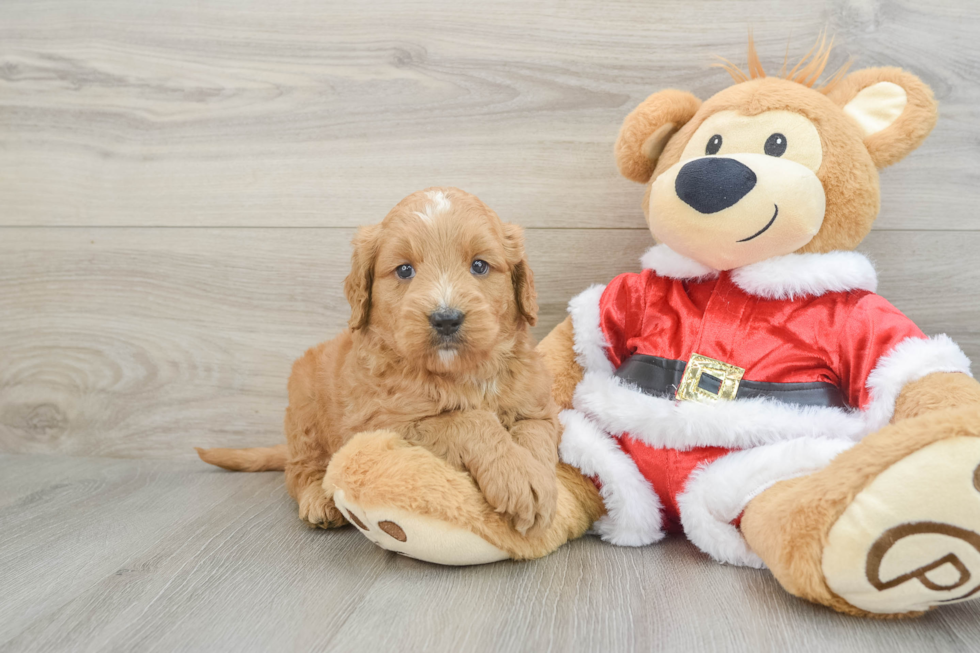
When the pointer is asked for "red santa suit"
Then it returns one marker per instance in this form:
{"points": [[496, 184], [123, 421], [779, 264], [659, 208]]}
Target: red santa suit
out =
{"points": [[665, 464]]}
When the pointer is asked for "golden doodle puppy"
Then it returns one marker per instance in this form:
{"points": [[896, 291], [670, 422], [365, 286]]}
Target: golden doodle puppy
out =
{"points": [[438, 351]]}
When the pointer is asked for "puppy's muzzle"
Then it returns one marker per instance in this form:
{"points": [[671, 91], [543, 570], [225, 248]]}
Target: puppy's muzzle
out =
{"points": [[446, 322], [713, 184]]}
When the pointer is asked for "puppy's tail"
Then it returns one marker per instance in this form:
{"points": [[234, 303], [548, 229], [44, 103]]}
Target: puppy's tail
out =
{"points": [[256, 459]]}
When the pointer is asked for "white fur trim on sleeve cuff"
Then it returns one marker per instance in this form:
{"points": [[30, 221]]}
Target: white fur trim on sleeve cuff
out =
{"points": [[718, 493], [589, 343], [633, 511], [909, 361]]}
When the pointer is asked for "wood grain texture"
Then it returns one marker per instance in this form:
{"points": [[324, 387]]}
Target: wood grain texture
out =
{"points": [[178, 187], [148, 342], [164, 556], [303, 113]]}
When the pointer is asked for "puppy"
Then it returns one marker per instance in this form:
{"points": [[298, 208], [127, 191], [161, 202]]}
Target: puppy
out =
{"points": [[438, 351]]}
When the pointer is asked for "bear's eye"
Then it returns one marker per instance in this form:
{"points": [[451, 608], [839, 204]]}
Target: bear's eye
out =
{"points": [[479, 268], [713, 145], [405, 271], [775, 145]]}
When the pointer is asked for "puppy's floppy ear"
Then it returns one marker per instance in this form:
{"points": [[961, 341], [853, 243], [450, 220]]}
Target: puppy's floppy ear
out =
{"points": [[357, 285], [894, 109], [647, 129], [520, 273]]}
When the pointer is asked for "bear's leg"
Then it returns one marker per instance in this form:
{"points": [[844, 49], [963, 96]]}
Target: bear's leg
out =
{"points": [[890, 528], [407, 500]]}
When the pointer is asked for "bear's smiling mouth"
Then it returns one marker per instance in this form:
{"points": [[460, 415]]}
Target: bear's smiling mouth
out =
{"points": [[764, 229]]}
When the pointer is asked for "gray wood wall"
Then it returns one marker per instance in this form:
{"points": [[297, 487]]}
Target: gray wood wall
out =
{"points": [[179, 181]]}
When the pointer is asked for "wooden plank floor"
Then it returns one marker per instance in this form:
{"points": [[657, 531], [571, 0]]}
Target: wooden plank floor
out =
{"points": [[179, 182], [137, 555]]}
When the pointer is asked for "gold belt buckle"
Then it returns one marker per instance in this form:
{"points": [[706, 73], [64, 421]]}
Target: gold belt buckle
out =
{"points": [[690, 387]]}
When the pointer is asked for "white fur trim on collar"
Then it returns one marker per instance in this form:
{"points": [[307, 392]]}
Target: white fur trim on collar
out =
{"points": [[800, 275], [633, 511], [781, 277], [717, 493], [589, 343], [909, 361], [668, 263]]}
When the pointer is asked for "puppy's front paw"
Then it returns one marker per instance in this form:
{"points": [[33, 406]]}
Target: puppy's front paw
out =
{"points": [[317, 509], [519, 486], [544, 485]]}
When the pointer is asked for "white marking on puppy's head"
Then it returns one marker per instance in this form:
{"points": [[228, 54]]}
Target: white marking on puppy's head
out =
{"points": [[439, 200], [438, 204]]}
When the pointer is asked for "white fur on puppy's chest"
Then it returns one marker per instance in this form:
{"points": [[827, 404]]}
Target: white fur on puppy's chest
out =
{"points": [[447, 356]]}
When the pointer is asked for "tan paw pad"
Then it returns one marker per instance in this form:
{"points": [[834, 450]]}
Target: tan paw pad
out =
{"points": [[393, 530]]}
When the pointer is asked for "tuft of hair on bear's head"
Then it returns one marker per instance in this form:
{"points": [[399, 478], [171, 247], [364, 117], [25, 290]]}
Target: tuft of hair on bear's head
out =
{"points": [[806, 72]]}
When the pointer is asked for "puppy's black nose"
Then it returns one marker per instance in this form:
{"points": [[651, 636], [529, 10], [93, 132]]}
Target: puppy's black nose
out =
{"points": [[713, 184], [447, 321]]}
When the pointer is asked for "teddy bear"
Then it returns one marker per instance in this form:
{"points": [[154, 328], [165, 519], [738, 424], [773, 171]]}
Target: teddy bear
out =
{"points": [[748, 389]]}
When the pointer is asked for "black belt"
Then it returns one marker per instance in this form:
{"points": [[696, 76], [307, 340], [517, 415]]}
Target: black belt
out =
{"points": [[660, 377]]}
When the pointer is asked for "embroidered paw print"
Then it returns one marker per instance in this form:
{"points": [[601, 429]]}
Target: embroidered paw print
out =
{"points": [[390, 528]]}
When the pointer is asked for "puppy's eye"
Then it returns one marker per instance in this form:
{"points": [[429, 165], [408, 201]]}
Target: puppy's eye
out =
{"points": [[405, 271], [479, 267], [713, 145], [775, 145]]}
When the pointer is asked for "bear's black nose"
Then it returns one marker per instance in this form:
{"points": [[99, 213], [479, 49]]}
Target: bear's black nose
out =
{"points": [[446, 322], [713, 184]]}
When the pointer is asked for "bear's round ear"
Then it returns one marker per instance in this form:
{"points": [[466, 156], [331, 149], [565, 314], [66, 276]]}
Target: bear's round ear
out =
{"points": [[894, 109], [647, 129]]}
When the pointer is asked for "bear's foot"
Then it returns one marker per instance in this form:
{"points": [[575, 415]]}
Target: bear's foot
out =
{"points": [[890, 528], [910, 540], [407, 500], [418, 536]]}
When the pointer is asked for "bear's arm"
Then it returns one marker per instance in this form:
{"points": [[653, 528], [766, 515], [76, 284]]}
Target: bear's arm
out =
{"points": [[892, 371], [936, 391], [559, 357], [606, 318]]}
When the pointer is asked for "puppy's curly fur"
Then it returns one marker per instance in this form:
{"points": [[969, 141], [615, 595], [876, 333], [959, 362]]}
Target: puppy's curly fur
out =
{"points": [[480, 397]]}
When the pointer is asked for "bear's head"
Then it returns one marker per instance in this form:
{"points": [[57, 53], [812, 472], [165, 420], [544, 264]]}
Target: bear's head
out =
{"points": [[772, 166]]}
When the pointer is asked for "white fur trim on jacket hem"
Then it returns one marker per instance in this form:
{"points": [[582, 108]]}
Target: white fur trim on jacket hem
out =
{"points": [[781, 277], [589, 343], [718, 493], [909, 361], [633, 510], [662, 422]]}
